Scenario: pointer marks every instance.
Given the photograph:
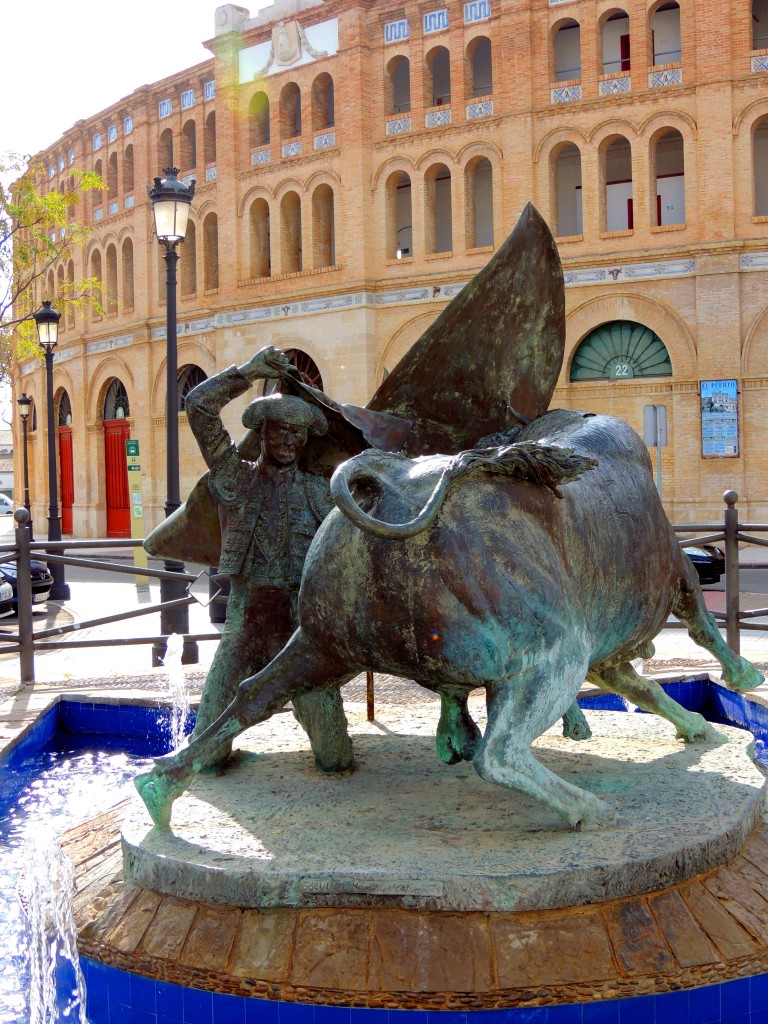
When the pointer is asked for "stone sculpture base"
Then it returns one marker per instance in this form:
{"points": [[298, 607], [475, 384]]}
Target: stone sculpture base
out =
{"points": [[406, 831]]}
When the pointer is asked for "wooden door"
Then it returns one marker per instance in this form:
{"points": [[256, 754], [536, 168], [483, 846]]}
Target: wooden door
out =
{"points": [[116, 433], [67, 478]]}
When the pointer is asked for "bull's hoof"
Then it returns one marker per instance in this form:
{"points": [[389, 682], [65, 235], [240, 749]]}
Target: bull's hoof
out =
{"points": [[158, 791], [599, 815], [575, 724], [701, 731], [457, 737], [746, 677]]}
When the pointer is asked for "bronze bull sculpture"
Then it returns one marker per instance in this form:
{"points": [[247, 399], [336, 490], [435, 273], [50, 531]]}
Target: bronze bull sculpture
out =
{"points": [[523, 568]]}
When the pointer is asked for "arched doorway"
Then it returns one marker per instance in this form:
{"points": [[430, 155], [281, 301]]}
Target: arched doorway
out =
{"points": [[66, 462], [620, 350], [117, 430]]}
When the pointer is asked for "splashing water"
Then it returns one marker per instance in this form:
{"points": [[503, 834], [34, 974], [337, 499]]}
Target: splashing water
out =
{"points": [[177, 689], [57, 986]]}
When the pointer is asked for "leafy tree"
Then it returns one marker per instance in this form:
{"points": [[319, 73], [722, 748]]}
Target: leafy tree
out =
{"points": [[37, 230]]}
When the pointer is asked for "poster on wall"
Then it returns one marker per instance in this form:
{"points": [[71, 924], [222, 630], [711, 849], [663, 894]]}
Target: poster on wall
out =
{"points": [[719, 418]]}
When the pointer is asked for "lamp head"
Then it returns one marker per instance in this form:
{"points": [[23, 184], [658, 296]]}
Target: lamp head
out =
{"points": [[47, 320], [24, 403], [171, 201]]}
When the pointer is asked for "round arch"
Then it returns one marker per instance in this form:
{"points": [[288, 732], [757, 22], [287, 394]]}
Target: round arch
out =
{"points": [[755, 352], [189, 353], [620, 350], [396, 163], [401, 342], [100, 381]]}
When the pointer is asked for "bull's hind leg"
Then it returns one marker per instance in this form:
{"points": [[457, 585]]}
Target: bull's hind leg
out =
{"points": [[689, 606], [522, 708], [457, 733], [648, 695]]}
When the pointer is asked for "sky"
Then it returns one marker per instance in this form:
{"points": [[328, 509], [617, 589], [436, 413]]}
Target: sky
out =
{"points": [[97, 52]]}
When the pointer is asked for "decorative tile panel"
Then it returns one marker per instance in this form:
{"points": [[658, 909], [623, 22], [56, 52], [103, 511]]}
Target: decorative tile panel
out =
{"points": [[661, 79], [482, 109], [760, 62], [436, 21], [210, 174], [438, 118], [130, 202], [398, 126], [120, 341], [327, 140], [98, 214], [556, 3], [477, 10], [396, 31], [615, 86], [631, 272], [209, 90], [261, 156], [113, 209], [565, 93], [754, 261], [292, 148]]}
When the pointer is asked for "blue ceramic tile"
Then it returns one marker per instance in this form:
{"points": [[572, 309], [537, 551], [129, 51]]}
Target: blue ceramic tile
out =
{"points": [[296, 1013], [758, 993], [734, 998], [641, 1010], [704, 1005], [673, 1007], [198, 1006], [422, 1017], [142, 1016], [473, 1017], [169, 1000], [570, 1014], [261, 1011], [742, 1018], [360, 1015], [448, 1017], [334, 1015], [758, 1017], [143, 993], [228, 1009], [602, 1013], [120, 1014], [119, 988]]}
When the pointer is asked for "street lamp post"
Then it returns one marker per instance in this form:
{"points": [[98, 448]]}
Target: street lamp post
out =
{"points": [[171, 201], [25, 404], [47, 320]]}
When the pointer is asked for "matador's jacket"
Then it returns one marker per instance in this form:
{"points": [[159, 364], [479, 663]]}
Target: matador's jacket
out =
{"points": [[266, 528]]}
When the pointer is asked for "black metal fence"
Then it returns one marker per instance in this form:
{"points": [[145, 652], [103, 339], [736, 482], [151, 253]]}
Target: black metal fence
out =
{"points": [[26, 641]]}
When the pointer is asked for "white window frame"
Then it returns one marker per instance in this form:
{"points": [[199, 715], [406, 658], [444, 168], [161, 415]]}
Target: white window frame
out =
{"points": [[165, 108], [187, 99]]}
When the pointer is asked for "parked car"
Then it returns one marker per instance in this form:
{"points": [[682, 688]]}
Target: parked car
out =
{"points": [[6, 599], [6, 505], [708, 560], [42, 581]]}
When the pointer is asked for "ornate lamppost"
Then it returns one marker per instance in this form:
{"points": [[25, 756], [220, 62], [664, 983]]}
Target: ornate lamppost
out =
{"points": [[25, 405], [171, 201], [47, 320]]}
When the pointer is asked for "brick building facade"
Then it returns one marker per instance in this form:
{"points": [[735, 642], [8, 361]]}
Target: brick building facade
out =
{"points": [[357, 162]]}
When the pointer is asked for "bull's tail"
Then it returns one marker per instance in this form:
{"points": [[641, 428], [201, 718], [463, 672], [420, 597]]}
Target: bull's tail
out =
{"points": [[545, 465]]}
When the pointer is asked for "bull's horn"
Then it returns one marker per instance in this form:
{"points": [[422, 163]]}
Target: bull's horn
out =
{"points": [[363, 466]]}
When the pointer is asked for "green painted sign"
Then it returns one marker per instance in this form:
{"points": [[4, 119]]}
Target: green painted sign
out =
{"points": [[131, 447]]}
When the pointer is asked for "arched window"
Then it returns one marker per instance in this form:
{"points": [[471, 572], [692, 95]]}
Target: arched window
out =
{"points": [[399, 216], [51, 284], [290, 234], [567, 47], [70, 289], [127, 265], [258, 120], [64, 414], [259, 239], [323, 227], [128, 184], [112, 178], [617, 174], [96, 200], [165, 149], [437, 77], [188, 261], [97, 278], [616, 53], [188, 146], [116, 406], [479, 203], [209, 138], [189, 377], [61, 290], [760, 166], [290, 111], [620, 350], [110, 299], [306, 366], [323, 112], [669, 160], [566, 172], [211, 251], [398, 98], [665, 34], [438, 209], [479, 67], [760, 24]]}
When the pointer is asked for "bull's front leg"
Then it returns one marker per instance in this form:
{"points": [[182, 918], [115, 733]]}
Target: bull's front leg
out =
{"points": [[523, 707], [299, 668]]}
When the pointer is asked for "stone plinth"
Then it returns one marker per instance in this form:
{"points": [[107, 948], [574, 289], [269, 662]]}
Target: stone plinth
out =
{"points": [[406, 831]]}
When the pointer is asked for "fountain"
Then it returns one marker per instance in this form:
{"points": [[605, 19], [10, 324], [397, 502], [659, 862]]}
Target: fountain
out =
{"points": [[176, 690]]}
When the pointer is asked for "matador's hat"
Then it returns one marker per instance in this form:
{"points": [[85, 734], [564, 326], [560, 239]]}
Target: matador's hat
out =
{"points": [[285, 409]]}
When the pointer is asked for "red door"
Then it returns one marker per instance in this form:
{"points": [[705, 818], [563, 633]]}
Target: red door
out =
{"points": [[626, 63], [116, 433], [67, 480]]}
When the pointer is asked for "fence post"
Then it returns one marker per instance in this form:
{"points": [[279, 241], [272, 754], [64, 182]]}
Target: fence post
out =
{"points": [[24, 598], [731, 526]]}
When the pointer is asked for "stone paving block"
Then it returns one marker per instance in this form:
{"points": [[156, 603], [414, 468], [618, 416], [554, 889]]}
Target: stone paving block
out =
{"points": [[128, 932], [687, 941], [741, 900], [429, 953], [211, 938], [558, 949], [264, 945], [713, 917], [637, 942], [169, 928], [331, 950]]}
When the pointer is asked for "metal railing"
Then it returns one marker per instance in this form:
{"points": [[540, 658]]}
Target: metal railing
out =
{"points": [[27, 641]]}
